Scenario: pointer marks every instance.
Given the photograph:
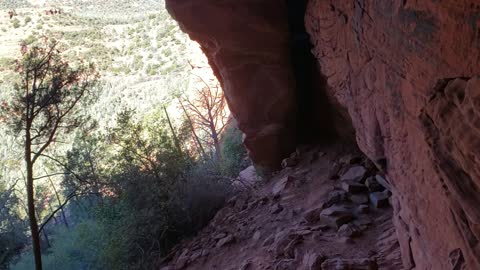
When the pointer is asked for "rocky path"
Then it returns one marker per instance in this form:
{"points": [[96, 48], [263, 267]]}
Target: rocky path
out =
{"points": [[325, 210]]}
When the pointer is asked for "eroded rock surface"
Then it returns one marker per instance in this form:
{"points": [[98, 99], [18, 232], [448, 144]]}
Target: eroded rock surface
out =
{"points": [[406, 72], [247, 44], [301, 234]]}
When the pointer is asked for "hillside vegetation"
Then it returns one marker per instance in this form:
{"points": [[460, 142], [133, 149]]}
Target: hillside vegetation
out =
{"points": [[142, 170]]}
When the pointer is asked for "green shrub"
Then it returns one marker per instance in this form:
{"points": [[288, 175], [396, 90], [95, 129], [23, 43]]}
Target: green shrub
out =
{"points": [[137, 63], [27, 20], [15, 23], [167, 52], [30, 40], [6, 63]]}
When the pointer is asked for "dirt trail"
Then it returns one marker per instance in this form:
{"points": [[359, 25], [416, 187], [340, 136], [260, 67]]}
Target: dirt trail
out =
{"points": [[301, 218]]}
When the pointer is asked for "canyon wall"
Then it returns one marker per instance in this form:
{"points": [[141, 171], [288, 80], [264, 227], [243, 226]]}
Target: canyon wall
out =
{"points": [[247, 44], [406, 72]]}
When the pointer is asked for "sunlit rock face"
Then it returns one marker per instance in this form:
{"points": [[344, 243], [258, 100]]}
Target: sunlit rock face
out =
{"points": [[247, 44], [406, 71]]}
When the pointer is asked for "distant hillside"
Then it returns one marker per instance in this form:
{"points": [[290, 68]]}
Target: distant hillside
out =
{"points": [[10, 4]]}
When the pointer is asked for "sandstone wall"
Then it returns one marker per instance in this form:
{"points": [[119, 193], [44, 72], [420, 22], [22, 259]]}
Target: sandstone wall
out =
{"points": [[247, 46], [405, 70]]}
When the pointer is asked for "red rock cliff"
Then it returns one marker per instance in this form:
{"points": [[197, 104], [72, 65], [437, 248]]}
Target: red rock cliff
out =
{"points": [[406, 71]]}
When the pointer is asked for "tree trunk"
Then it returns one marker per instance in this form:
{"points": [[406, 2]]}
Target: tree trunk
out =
{"points": [[177, 143], [37, 252], [214, 134], [193, 130]]}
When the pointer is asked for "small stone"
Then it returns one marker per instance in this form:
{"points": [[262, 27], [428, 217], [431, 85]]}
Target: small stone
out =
{"points": [[382, 181], [282, 184], [359, 198], [334, 197], [363, 209], [303, 232], [256, 236], [373, 185], [289, 250], [345, 240], [379, 199], [318, 237], [335, 211], [356, 174], [182, 260], [362, 224], [282, 240], [312, 216], [205, 252], [336, 216], [290, 162], [312, 261], [276, 208], [348, 230], [197, 254], [353, 187], [316, 155], [350, 159], [225, 241], [285, 265], [334, 171], [322, 227], [246, 266], [219, 236], [268, 241]]}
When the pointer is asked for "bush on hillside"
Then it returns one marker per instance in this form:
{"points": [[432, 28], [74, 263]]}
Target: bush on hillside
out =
{"points": [[15, 23], [233, 152]]}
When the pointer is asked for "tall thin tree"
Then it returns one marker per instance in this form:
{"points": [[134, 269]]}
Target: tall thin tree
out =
{"points": [[46, 103]]}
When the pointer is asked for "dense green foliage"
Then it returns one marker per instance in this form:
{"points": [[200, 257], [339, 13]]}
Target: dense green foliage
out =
{"points": [[12, 234], [138, 195], [132, 181]]}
